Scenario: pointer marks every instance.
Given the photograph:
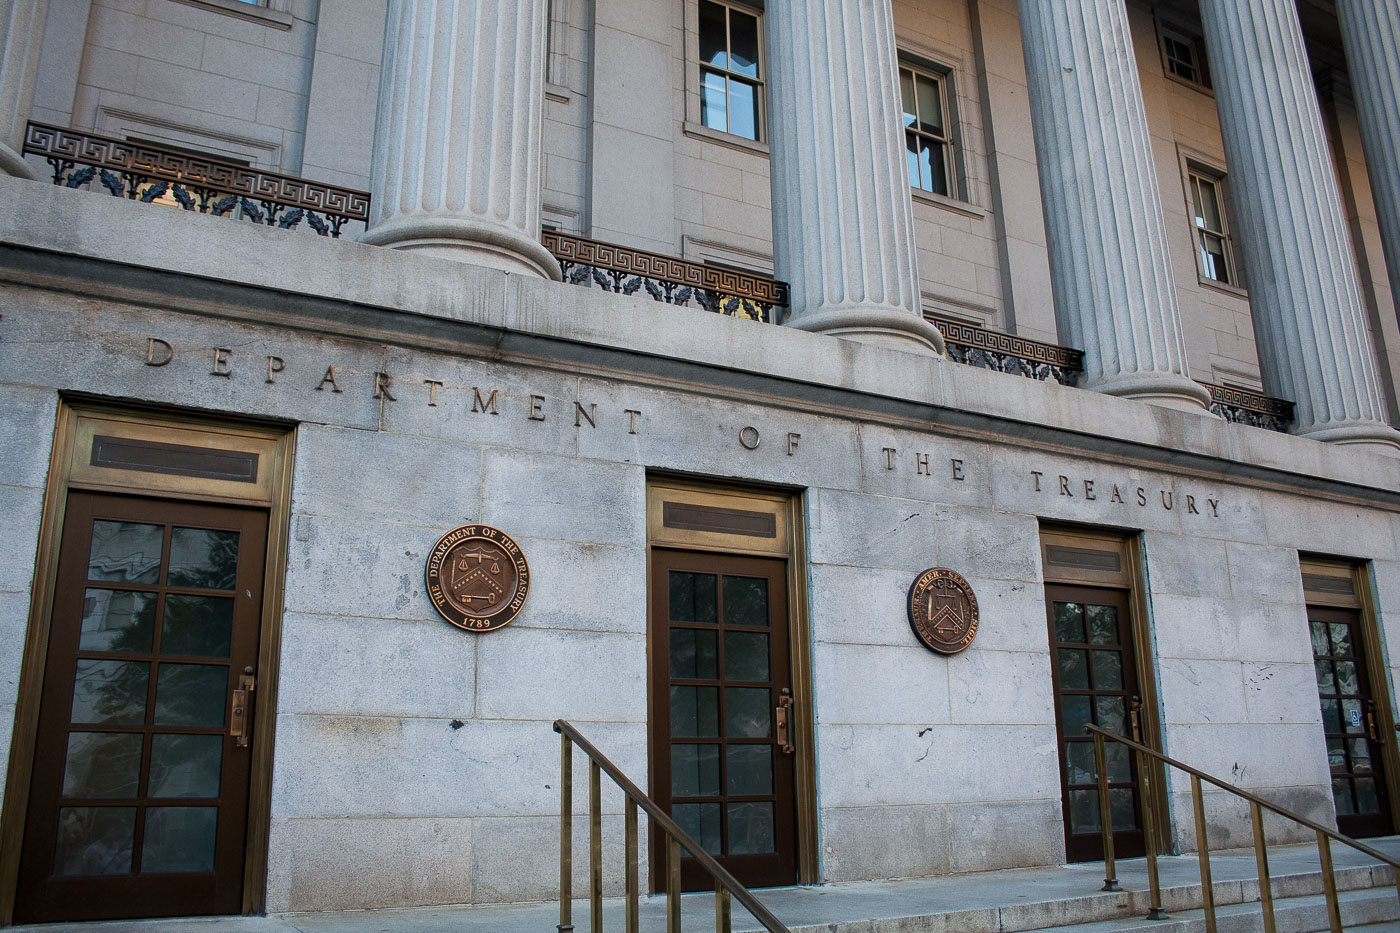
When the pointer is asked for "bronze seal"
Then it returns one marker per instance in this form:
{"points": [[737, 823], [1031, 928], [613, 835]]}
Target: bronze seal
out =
{"points": [[943, 610], [477, 577]]}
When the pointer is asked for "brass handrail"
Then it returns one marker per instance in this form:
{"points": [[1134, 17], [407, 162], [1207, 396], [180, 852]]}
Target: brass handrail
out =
{"points": [[1257, 806], [676, 839]]}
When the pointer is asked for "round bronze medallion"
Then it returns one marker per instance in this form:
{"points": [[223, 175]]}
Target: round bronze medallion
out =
{"points": [[477, 577], [943, 610]]}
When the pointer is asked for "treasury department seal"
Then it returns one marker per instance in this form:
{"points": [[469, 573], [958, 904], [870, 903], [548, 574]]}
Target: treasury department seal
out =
{"points": [[477, 577], [943, 610]]}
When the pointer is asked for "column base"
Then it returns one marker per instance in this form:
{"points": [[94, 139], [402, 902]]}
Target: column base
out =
{"points": [[12, 163], [895, 328], [1377, 437], [467, 240], [1170, 390]]}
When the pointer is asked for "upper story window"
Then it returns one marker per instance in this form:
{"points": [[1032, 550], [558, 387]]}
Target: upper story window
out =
{"points": [[1213, 253], [731, 73], [1183, 57], [928, 136]]}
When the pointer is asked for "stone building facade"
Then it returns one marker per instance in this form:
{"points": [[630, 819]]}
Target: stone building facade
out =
{"points": [[231, 448]]}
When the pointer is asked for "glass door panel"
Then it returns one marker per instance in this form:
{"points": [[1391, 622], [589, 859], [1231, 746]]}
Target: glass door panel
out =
{"points": [[1349, 722], [723, 623], [1094, 674], [139, 793]]}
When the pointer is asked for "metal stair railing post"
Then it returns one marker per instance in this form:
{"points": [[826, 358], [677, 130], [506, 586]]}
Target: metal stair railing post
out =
{"points": [[1257, 806], [1110, 872], [727, 888]]}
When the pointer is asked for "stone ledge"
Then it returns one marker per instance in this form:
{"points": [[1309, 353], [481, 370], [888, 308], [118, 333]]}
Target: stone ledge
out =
{"points": [[61, 239]]}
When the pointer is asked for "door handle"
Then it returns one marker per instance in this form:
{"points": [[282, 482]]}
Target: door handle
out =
{"points": [[1371, 729], [1135, 719], [782, 717], [240, 723]]}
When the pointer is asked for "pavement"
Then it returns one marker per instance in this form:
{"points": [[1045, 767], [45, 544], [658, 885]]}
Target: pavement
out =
{"points": [[1020, 899]]}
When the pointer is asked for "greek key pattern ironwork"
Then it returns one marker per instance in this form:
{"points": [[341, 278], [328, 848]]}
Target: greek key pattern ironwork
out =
{"points": [[626, 271], [1005, 353], [1256, 409], [202, 184]]}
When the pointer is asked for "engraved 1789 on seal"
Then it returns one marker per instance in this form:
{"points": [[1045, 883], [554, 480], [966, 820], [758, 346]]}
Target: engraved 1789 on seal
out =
{"points": [[943, 610], [477, 577]]}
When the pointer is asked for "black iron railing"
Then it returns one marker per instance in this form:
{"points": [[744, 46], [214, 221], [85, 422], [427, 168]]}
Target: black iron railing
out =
{"points": [[1243, 406], [202, 184], [1006, 353], [674, 281]]}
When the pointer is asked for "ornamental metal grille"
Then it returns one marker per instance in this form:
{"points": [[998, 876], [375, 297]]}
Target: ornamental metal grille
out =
{"points": [[1243, 406], [201, 184], [626, 271], [1006, 353]]}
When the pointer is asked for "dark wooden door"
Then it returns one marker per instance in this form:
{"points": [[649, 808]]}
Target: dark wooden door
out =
{"points": [[138, 802], [1349, 722], [720, 673], [1095, 677]]}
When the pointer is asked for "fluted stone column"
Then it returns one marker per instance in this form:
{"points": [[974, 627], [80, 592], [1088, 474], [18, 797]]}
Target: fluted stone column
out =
{"points": [[1110, 269], [1371, 37], [457, 144], [1308, 319], [843, 223], [21, 38]]}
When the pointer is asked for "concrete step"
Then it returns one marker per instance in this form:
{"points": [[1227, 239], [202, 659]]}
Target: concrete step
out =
{"points": [[1374, 909], [1063, 898]]}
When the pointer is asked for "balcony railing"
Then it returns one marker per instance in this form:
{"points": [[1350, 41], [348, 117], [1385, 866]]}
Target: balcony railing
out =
{"points": [[1256, 409], [1005, 353], [675, 281], [198, 183]]}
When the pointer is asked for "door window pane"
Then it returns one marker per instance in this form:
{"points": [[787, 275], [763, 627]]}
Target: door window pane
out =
{"points": [[747, 712], [1074, 669], [102, 764], [197, 626], [745, 656], [746, 601], [750, 770], [191, 695], [117, 620], [1347, 682], [110, 692], [1341, 638], [692, 597], [1360, 754], [1103, 624], [94, 841], [1341, 794], [1108, 670], [695, 770], [204, 558], [186, 765], [1080, 757], [1366, 799], [1325, 681], [1084, 811], [179, 839], [694, 712], [1337, 756], [701, 821], [1069, 623], [125, 552], [1111, 714], [750, 828], [1118, 763], [693, 654], [1353, 719], [1120, 802], [1331, 716], [1318, 631], [1077, 714]]}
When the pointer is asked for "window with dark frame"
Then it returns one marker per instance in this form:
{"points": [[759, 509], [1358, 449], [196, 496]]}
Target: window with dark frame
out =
{"points": [[1183, 57], [928, 134], [1213, 253], [731, 80]]}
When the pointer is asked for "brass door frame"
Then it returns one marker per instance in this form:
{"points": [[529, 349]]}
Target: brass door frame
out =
{"points": [[789, 543], [1363, 599], [1130, 575], [74, 428]]}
